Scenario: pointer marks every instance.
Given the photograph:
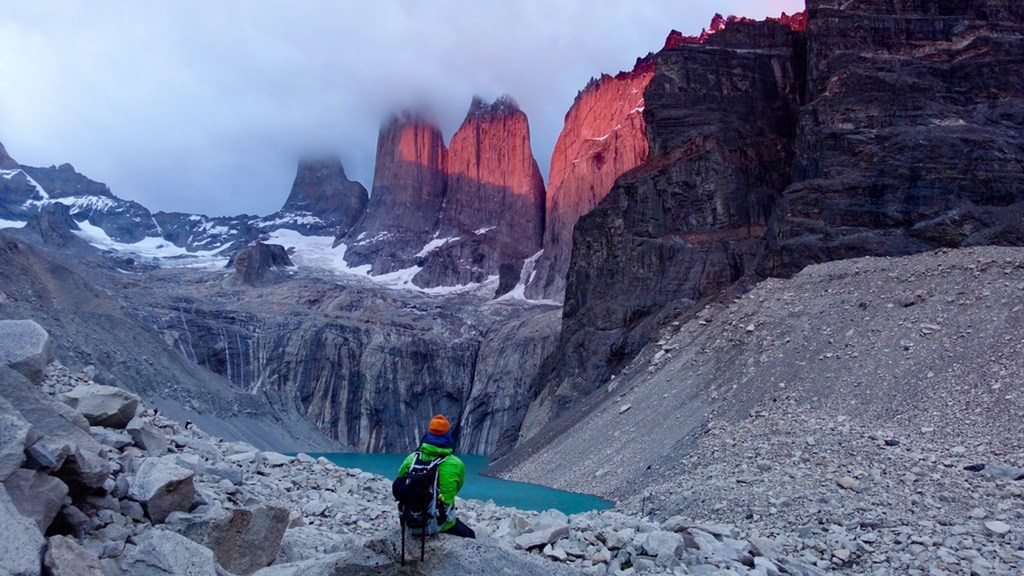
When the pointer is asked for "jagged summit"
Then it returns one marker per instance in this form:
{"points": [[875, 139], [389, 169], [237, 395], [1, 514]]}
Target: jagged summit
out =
{"points": [[797, 22], [6, 162], [322, 190], [502, 106]]}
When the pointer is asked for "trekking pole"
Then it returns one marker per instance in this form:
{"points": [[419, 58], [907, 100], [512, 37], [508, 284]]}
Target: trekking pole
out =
{"points": [[401, 522], [423, 544]]}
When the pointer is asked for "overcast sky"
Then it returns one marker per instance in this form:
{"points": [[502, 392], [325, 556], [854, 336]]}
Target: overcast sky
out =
{"points": [[205, 106]]}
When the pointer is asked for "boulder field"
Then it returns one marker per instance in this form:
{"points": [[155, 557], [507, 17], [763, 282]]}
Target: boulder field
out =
{"points": [[82, 493]]}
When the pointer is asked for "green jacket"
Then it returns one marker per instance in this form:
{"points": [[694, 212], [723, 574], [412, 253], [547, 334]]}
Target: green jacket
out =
{"points": [[451, 475]]}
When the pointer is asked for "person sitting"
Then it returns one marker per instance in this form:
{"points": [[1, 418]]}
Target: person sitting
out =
{"points": [[451, 473]]}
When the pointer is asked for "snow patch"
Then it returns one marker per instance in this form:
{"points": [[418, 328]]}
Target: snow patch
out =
{"points": [[77, 204], [320, 252], [293, 219], [11, 224], [484, 230], [526, 277], [8, 174], [434, 245]]}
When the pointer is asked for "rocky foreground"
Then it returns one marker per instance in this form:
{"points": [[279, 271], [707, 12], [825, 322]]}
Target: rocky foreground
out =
{"points": [[95, 483]]}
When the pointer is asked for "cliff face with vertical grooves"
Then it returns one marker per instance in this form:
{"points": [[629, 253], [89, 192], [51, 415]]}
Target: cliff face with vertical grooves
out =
{"points": [[366, 365], [494, 204], [408, 192], [603, 137]]}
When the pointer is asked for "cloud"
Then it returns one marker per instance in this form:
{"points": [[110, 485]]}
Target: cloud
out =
{"points": [[205, 106]]}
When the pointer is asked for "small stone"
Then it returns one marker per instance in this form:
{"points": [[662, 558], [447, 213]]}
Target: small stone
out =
{"points": [[997, 527], [847, 483], [625, 408]]}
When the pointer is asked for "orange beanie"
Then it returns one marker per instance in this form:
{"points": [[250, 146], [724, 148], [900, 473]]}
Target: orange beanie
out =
{"points": [[439, 425]]}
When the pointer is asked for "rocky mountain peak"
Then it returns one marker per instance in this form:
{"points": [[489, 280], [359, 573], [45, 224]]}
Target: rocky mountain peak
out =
{"points": [[797, 22], [322, 163], [408, 191], [6, 162], [503, 106], [603, 136], [322, 190], [494, 204]]}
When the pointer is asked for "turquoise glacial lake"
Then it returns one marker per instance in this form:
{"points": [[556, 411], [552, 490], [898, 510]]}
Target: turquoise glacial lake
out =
{"points": [[478, 487]]}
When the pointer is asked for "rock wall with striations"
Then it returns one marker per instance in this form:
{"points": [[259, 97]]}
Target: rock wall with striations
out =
{"points": [[494, 204], [603, 137], [914, 135], [688, 222], [408, 192], [365, 364]]}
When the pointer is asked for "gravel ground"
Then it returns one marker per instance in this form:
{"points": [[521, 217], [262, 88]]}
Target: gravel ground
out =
{"points": [[760, 412]]}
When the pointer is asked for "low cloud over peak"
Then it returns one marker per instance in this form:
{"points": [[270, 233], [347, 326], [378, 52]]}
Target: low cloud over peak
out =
{"points": [[202, 107]]}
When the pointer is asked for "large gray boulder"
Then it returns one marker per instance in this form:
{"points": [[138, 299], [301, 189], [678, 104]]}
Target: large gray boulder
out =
{"points": [[65, 557], [14, 437], [162, 487], [37, 495], [147, 436], [21, 542], [243, 540], [103, 405], [25, 347], [164, 553], [663, 543], [61, 443], [548, 527]]}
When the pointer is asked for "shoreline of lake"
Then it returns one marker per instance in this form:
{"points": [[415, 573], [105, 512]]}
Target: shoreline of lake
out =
{"points": [[521, 495]]}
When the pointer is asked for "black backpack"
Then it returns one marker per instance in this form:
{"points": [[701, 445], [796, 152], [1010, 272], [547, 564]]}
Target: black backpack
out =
{"points": [[417, 496]]}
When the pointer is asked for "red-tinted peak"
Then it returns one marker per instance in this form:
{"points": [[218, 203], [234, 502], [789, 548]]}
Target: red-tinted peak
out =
{"points": [[797, 22]]}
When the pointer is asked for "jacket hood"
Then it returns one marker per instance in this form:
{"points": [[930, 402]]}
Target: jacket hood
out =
{"points": [[432, 452]]}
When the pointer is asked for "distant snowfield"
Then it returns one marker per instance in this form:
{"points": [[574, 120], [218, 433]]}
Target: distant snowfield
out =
{"points": [[320, 252], [309, 252], [162, 252]]}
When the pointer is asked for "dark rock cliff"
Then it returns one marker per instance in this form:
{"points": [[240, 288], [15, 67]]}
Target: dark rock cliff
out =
{"points": [[914, 135], [687, 223], [367, 365], [885, 128]]}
